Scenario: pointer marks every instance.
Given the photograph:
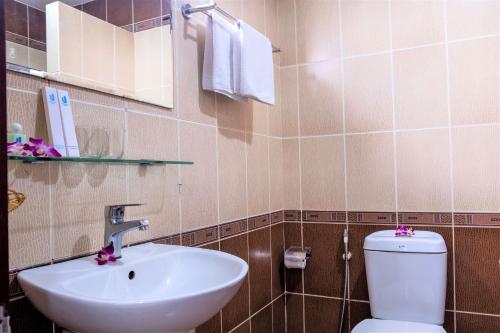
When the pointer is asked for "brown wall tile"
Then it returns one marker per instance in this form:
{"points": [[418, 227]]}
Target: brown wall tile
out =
{"points": [[468, 322], [36, 24], [323, 314], [262, 322], [120, 12], [358, 311], [245, 328], [96, 8], [279, 315], [321, 276], [16, 17], [26, 319], [477, 252], [238, 308], [260, 268], [211, 326], [294, 313], [277, 265], [146, 9]]}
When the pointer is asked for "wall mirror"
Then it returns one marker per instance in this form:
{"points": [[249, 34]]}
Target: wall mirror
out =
{"points": [[122, 47]]}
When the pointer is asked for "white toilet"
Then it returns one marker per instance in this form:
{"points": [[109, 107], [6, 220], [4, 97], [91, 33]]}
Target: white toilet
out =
{"points": [[406, 283]]}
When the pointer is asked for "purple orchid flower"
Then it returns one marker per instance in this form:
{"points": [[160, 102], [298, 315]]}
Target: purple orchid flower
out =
{"points": [[39, 148], [105, 255], [404, 231], [17, 149]]}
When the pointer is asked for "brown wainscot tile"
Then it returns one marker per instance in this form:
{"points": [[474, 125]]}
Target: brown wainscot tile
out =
{"points": [[201, 236], [277, 252], [146, 9], [323, 216], [277, 217], [293, 276], [358, 311], [26, 319], [14, 287], [292, 215], [294, 313], [18, 39], [279, 315], [468, 323], [244, 328], [325, 269], [323, 314], [258, 221], [477, 219], [16, 17], [120, 12], [213, 325], [477, 252], [262, 322], [372, 217], [233, 228], [449, 321], [36, 24], [237, 310], [425, 218], [96, 8], [260, 268]]}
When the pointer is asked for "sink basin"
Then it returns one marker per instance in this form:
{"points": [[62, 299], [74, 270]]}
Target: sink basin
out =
{"points": [[153, 289]]}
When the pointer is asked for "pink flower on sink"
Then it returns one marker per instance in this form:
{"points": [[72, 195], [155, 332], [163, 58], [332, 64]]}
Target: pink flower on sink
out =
{"points": [[105, 255]]}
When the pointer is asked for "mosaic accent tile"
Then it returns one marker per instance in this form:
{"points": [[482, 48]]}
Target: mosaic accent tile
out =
{"points": [[372, 217], [425, 218], [477, 219], [323, 216]]}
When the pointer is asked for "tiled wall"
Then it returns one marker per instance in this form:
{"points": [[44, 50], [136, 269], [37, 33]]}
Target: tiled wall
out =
{"points": [[237, 175], [391, 113]]}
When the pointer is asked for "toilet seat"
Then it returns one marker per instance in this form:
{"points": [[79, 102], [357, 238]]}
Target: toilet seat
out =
{"points": [[393, 326]]}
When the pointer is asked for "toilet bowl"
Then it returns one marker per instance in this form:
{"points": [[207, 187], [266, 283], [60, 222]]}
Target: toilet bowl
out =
{"points": [[394, 326], [406, 283]]}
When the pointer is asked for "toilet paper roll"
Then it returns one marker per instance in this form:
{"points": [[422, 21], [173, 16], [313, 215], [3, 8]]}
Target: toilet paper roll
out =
{"points": [[296, 258]]}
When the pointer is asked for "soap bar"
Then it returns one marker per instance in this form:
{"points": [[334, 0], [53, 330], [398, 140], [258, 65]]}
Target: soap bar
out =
{"points": [[68, 124], [54, 122]]}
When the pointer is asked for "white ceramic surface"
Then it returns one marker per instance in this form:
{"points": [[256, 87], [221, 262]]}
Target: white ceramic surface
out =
{"points": [[174, 289]]}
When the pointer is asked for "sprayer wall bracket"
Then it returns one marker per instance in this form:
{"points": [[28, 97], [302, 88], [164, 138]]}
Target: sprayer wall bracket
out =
{"points": [[349, 256]]}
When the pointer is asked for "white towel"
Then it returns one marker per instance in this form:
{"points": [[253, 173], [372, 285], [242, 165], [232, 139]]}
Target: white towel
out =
{"points": [[221, 58], [256, 74]]}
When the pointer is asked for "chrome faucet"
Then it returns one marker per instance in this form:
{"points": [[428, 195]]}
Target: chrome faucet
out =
{"points": [[116, 227]]}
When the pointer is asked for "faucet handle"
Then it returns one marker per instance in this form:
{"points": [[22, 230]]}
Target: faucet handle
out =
{"points": [[117, 212]]}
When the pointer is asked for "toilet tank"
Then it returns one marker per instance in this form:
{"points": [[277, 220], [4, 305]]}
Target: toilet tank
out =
{"points": [[406, 276]]}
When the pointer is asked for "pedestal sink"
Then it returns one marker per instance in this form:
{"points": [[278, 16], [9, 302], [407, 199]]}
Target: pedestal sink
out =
{"points": [[153, 289]]}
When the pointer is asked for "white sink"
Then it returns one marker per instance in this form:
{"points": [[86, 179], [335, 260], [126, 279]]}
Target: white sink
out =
{"points": [[173, 290]]}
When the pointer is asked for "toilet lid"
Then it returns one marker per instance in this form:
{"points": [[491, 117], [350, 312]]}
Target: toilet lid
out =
{"points": [[393, 326]]}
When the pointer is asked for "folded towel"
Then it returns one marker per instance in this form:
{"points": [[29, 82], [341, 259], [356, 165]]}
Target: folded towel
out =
{"points": [[221, 57], [256, 72]]}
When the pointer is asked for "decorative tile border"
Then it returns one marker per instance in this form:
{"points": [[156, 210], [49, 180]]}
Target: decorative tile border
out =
{"points": [[18, 39], [259, 221], [151, 23], [34, 44], [484, 219], [425, 218], [277, 217], [201, 236], [292, 215], [371, 217], [233, 228], [323, 216]]}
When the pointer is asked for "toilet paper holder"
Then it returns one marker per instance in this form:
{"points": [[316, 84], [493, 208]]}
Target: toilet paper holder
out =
{"points": [[297, 257]]}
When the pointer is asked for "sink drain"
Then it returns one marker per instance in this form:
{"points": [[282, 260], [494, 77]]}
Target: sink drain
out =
{"points": [[131, 275]]}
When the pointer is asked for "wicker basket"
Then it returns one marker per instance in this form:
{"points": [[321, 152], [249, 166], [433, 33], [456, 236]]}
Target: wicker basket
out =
{"points": [[15, 200]]}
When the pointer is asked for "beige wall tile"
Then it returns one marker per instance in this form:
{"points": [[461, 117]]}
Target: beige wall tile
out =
{"points": [[232, 175], [24, 81], [322, 161], [365, 26], [194, 104], [199, 181], [276, 174], [476, 168], [368, 104], [287, 35], [320, 96], [289, 101], [90, 96], [254, 13], [233, 7], [272, 19], [98, 51], [417, 22], [474, 81], [157, 188], [151, 137], [27, 109], [37, 59], [370, 172], [16, 54], [29, 225], [423, 171], [291, 174], [420, 87], [124, 61], [257, 117], [469, 18], [318, 33], [231, 113], [257, 174], [275, 114]]}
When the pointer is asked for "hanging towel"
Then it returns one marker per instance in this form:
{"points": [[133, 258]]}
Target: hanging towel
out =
{"points": [[221, 58], [256, 72]]}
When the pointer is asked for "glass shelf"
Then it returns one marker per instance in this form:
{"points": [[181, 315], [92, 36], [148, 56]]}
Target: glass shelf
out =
{"points": [[32, 159]]}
